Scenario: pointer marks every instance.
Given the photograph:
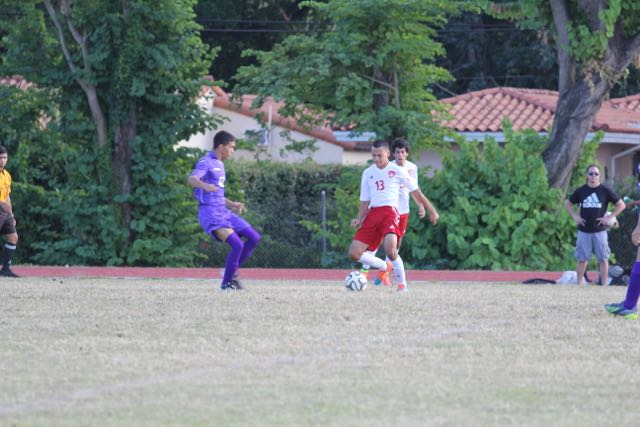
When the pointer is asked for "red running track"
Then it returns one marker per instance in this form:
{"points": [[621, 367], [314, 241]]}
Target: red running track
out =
{"points": [[276, 274]]}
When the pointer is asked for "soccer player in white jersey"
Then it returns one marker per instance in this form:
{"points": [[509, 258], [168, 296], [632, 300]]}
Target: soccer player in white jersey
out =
{"points": [[378, 219], [400, 149]]}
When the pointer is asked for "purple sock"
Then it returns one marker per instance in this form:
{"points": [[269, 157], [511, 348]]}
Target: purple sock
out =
{"points": [[253, 238], [231, 266], [633, 289]]}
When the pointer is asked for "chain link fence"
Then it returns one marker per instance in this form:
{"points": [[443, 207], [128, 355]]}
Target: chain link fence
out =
{"points": [[623, 251]]}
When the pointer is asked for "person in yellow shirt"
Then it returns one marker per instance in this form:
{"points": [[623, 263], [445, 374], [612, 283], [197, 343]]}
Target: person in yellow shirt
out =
{"points": [[7, 221]]}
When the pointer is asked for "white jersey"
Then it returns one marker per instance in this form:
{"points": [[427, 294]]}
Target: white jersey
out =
{"points": [[382, 187], [403, 200]]}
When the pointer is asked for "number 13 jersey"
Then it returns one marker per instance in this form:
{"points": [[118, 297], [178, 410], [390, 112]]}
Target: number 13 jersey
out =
{"points": [[381, 187]]}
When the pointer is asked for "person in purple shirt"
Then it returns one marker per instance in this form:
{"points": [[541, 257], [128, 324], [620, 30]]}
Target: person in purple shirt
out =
{"points": [[219, 216]]}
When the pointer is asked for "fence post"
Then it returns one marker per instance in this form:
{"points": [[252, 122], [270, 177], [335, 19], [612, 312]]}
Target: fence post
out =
{"points": [[323, 197]]}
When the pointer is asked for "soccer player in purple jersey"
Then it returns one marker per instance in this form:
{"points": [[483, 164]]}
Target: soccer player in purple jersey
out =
{"points": [[219, 216], [629, 307]]}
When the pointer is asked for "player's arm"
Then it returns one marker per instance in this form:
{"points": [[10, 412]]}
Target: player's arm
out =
{"points": [[620, 206], [576, 218], [237, 207], [362, 212], [196, 182], [421, 211], [424, 201], [8, 202]]}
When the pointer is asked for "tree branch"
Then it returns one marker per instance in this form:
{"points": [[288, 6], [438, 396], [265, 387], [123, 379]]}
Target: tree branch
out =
{"points": [[380, 82], [80, 39], [61, 37], [590, 10], [566, 73], [90, 90]]}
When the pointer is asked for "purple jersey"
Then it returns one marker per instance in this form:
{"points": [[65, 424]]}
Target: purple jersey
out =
{"points": [[210, 170]]}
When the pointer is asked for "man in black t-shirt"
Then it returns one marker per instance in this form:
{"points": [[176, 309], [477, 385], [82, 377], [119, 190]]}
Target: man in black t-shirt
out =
{"points": [[594, 199]]}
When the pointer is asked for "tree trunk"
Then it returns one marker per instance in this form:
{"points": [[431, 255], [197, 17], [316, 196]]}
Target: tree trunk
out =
{"points": [[577, 107], [121, 171], [581, 94], [381, 96]]}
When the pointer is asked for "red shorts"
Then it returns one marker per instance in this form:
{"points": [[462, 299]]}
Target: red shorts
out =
{"points": [[378, 223], [404, 221]]}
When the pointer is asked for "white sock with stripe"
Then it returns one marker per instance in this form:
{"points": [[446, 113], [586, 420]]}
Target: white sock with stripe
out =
{"points": [[371, 260]]}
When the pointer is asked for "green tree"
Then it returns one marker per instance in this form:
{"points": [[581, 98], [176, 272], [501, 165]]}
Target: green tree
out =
{"points": [[124, 77], [372, 68], [484, 51], [237, 25], [596, 41]]}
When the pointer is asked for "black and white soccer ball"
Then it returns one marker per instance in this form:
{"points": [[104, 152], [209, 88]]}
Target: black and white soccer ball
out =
{"points": [[612, 223], [355, 281]]}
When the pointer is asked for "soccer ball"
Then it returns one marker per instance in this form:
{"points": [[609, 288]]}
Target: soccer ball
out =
{"points": [[613, 223], [355, 281]]}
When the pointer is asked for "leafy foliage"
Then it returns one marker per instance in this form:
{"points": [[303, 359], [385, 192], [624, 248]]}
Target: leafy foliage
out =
{"points": [[147, 62], [372, 70], [497, 211]]}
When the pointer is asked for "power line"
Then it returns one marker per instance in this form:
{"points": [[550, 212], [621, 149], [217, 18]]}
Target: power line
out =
{"points": [[262, 30]]}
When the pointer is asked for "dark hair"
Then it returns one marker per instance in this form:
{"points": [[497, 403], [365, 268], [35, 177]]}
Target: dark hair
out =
{"points": [[400, 143], [222, 138], [3, 149], [380, 143]]}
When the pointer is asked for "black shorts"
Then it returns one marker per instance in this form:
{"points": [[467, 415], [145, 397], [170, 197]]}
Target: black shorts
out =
{"points": [[7, 221]]}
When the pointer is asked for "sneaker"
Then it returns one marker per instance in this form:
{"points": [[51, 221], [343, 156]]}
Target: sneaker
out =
{"points": [[383, 276], [7, 272], [402, 287], [619, 310]]}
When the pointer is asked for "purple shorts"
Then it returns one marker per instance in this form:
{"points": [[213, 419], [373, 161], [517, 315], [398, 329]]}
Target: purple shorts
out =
{"points": [[212, 218]]}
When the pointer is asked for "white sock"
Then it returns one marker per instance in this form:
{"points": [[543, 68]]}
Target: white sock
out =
{"points": [[367, 266], [371, 260], [398, 269]]}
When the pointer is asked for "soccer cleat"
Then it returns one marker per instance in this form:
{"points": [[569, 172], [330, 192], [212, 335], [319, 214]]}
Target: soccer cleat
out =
{"points": [[236, 284], [364, 272], [231, 286], [235, 280], [619, 310], [383, 276], [402, 287], [7, 272]]}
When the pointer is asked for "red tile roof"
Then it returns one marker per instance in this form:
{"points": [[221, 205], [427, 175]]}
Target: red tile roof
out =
{"points": [[17, 81], [484, 110], [243, 106]]}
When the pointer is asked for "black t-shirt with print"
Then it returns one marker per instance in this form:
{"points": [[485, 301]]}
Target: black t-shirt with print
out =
{"points": [[593, 204]]}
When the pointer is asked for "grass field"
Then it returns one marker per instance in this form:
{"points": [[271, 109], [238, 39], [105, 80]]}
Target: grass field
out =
{"points": [[109, 352]]}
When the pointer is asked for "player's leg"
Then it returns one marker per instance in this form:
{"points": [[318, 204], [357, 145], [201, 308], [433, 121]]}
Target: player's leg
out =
{"points": [[368, 236], [358, 253], [629, 307], [583, 252], [8, 230], [391, 248], [252, 238], [364, 268], [602, 251], [228, 236]]}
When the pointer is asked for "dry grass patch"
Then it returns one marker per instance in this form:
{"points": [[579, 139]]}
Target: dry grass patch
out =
{"points": [[105, 352]]}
